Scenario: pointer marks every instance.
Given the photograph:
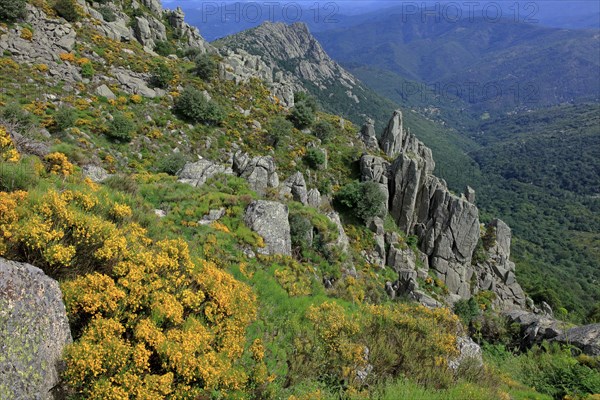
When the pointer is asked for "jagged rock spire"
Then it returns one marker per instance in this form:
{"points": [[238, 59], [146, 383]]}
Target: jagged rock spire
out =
{"points": [[391, 140]]}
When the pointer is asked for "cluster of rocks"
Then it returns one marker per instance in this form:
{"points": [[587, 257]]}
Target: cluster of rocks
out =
{"points": [[268, 218], [446, 225], [536, 327]]}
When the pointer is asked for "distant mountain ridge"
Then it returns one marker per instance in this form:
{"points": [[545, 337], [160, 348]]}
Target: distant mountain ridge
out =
{"points": [[496, 66]]}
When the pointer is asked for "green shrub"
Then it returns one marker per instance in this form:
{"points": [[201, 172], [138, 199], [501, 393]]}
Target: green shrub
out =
{"points": [[120, 128], [206, 66], [14, 114], [314, 158], [12, 10], [87, 70], [17, 176], [64, 118], [554, 371], [164, 48], [122, 183], [300, 229], [171, 164], [68, 9], [467, 310], [279, 130], [324, 130], [302, 115], [364, 200], [107, 14], [161, 76], [192, 105]]}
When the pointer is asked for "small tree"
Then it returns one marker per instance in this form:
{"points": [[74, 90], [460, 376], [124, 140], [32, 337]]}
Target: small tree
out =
{"points": [[315, 158], [164, 48], [302, 115], [161, 76], [68, 9], [192, 105], [120, 128], [365, 200], [324, 130], [171, 164], [12, 10], [206, 66], [279, 130], [64, 118]]}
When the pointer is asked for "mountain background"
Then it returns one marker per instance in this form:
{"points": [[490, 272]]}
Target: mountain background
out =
{"points": [[509, 106]]}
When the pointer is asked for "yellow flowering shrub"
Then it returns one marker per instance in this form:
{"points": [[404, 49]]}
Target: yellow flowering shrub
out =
{"points": [[69, 57], [27, 34], [58, 164], [8, 152], [150, 322], [136, 99], [394, 339]]}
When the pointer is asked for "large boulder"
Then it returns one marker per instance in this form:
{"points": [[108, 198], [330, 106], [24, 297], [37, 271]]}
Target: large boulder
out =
{"points": [[270, 220], [367, 135], [260, 172], [197, 173], [295, 186], [586, 338], [34, 331]]}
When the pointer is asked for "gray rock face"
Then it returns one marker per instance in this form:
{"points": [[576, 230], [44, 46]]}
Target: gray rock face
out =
{"points": [[586, 338], [289, 56], [197, 173], [367, 135], [104, 91], [260, 172], [95, 173], [314, 198], [535, 328], [295, 186], [135, 83], [391, 140], [342, 240], [497, 272], [469, 351], [270, 220], [34, 330], [447, 226], [470, 194], [376, 169], [149, 31]]}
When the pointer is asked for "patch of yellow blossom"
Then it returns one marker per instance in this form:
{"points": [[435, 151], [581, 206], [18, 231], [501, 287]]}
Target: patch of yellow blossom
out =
{"points": [[58, 164], [8, 152], [27, 34], [136, 99], [134, 300], [220, 227], [120, 211], [69, 57]]}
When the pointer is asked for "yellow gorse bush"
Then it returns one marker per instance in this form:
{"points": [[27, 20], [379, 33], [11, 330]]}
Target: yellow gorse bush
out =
{"points": [[8, 152], [150, 321], [58, 164]]}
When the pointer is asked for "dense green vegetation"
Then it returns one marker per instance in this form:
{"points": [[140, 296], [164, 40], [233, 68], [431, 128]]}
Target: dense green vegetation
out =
{"points": [[543, 177]]}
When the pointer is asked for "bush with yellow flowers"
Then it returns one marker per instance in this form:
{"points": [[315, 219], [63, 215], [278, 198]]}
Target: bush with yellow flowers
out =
{"points": [[385, 340], [148, 320], [8, 152], [58, 164]]}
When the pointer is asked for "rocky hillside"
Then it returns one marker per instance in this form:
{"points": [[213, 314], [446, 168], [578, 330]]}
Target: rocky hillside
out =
{"points": [[188, 224]]}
